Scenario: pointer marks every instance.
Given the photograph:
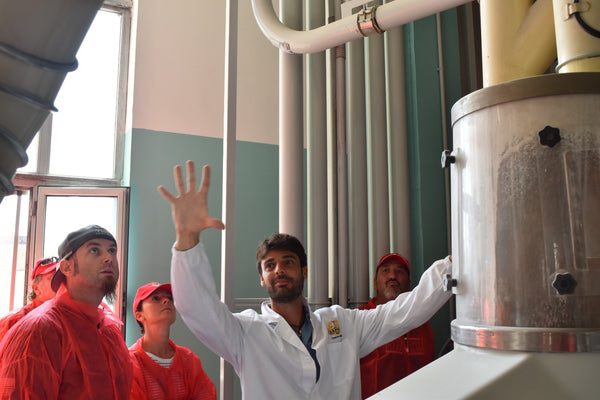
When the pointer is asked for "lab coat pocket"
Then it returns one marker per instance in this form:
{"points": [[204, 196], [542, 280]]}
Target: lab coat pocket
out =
{"points": [[340, 362]]}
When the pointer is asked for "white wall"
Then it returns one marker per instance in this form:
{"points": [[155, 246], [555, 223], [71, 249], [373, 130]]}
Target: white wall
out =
{"points": [[179, 71]]}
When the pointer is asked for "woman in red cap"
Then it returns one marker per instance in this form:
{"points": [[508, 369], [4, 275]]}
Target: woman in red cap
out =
{"points": [[41, 291], [162, 369]]}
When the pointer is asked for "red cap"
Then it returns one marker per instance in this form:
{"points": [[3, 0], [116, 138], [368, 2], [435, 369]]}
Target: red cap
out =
{"points": [[44, 266], [395, 257], [146, 291]]}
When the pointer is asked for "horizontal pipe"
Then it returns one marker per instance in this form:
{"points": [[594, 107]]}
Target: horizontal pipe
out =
{"points": [[389, 15]]}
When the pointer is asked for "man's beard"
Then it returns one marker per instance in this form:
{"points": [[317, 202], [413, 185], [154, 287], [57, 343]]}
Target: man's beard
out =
{"points": [[109, 285], [391, 292], [286, 295]]}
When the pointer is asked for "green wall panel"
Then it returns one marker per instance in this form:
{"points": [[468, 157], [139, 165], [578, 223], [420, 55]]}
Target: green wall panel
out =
{"points": [[429, 239]]}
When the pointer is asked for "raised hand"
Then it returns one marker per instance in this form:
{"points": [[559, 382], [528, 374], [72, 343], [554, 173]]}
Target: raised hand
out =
{"points": [[189, 207]]}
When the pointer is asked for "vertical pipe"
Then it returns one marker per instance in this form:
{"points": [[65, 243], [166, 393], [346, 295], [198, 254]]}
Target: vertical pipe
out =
{"points": [[358, 239], [342, 169], [398, 182], [517, 39], [229, 150], [332, 162], [377, 169], [316, 133], [291, 143]]}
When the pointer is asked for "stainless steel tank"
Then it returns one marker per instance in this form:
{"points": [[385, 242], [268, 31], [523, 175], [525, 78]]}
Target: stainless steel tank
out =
{"points": [[526, 215]]}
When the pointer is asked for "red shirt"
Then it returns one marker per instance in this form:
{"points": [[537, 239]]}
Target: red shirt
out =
{"points": [[65, 349], [393, 361], [184, 380], [9, 320]]}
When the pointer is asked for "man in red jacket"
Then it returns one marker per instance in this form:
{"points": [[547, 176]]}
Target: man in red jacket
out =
{"points": [[163, 370], [398, 358], [41, 291], [71, 347]]}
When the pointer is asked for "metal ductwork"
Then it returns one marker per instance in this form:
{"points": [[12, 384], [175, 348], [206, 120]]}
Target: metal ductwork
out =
{"points": [[525, 171], [38, 44]]}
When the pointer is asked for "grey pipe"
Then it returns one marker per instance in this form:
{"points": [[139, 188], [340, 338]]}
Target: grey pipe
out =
{"points": [[357, 174], [379, 221], [332, 162], [398, 180], [291, 143], [316, 133]]}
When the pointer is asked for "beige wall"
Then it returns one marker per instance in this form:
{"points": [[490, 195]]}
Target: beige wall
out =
{"points": [[179, 71]]}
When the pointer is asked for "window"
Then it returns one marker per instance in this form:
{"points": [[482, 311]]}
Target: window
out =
{"points": [[90, 123], [54, 197]]}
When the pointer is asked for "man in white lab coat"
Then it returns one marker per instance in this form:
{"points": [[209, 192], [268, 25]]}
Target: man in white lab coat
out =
{"points": [[286, 350]]}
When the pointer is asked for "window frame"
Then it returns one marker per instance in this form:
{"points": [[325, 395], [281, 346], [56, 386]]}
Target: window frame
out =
{"points": [[37, 229]]}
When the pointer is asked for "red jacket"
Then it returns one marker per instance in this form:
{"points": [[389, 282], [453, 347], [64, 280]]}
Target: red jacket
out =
{"points": [[185, 379], [9, 320], [395, 360], [65, 349]]}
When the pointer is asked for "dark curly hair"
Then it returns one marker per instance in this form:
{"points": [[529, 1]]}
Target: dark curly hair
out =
{"points": [[280, 241]]}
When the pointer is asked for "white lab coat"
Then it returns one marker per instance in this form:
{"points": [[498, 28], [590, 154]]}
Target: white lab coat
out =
{"points": [[270, 359]]}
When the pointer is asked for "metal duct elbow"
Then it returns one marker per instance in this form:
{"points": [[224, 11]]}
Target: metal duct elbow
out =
{"points": [[347, 28], [38, 44]]}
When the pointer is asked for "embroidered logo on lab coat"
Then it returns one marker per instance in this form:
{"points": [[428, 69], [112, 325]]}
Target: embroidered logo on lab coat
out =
{"points": [[333, 327]]}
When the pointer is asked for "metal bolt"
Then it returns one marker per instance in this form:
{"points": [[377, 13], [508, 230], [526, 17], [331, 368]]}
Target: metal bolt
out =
{"points": [[447, 158], [449, 282], [564, 283], [549, 136]]}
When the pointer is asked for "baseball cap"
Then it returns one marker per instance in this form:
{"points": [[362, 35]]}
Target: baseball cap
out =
{"points": [[395, 257], [44, 266], [146, 291], [74, 241]]}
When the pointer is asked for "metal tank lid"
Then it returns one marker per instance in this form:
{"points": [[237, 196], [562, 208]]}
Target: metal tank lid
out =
{"points": [[518, 89]]}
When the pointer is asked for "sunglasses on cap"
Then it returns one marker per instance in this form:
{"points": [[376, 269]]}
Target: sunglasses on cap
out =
{"points": [[47, 261], [44, 266]]}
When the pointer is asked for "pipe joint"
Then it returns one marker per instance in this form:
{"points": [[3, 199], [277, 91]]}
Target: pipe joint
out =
{"points": [[366, 21]]}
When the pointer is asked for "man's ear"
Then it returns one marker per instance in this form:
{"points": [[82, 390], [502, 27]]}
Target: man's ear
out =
{"points": [[35, 286], [262, 280], [305, 272], [66, 267]]}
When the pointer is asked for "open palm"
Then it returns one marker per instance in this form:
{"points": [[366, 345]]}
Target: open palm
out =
{"points": [[189, 207]]}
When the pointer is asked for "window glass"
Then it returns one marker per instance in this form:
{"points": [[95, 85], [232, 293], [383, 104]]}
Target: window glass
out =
{"points": [[12, 291], [66, 214], [84, 128]]}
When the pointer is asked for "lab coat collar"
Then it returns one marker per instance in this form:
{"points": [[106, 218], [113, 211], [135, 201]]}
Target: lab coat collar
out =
{"points": [[281, 327]]}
